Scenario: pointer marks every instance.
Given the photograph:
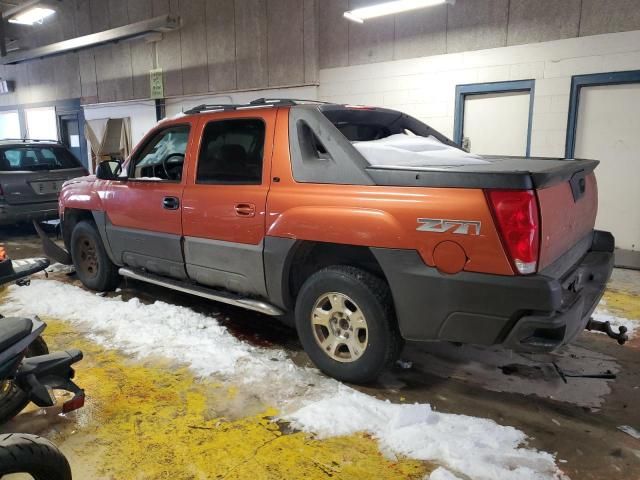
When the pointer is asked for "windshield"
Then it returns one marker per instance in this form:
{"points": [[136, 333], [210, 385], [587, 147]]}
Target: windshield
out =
{"points": [[32, 158]]}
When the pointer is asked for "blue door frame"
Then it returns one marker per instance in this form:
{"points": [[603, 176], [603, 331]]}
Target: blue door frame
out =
{"points": [[591, 80], [495, 87]]}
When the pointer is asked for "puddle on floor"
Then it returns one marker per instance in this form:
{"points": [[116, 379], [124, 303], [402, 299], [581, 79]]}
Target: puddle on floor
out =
{"points": [[154, 420]]}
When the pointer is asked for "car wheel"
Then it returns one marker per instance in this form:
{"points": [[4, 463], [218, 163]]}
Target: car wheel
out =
{"points": [[346, 323], [93, 266]]}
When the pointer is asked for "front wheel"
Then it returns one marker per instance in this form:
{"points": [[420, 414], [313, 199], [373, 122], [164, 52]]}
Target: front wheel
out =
{"points": [[90, 259], [345, 321], [33, 455]]}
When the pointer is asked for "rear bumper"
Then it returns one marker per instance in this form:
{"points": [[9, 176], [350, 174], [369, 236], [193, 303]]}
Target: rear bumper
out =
{"points": [[527, 313], [10, 214]]}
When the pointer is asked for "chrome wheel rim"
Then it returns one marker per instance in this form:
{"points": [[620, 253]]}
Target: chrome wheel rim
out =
{"points": [[339, 327]]}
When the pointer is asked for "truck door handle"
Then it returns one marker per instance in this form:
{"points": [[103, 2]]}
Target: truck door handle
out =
{"points": [[170, 203], [245, 209]]}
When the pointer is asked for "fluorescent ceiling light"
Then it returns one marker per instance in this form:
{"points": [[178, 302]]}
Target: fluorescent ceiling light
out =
{"points": [[359, 15], [31, 16]]}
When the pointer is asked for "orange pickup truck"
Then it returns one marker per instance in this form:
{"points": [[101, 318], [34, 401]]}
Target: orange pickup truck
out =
{"points": [[362, 226]]}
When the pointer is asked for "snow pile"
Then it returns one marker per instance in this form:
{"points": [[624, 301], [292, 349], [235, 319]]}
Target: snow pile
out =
{"points": [[603, 315], [442, 474], [477, 447], [469, 446], [410, 151]]}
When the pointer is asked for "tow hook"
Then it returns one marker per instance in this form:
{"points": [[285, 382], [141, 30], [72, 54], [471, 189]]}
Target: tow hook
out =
{"points": [[621, 335]]}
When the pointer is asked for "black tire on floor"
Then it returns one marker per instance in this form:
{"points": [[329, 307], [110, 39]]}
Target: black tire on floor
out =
{"points": [[372, 297], [93, 266], [12, 398], [36, 456]]}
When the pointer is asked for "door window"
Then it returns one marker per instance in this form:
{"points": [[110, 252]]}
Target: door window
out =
{"points": [[162, 159], [231, 152]]}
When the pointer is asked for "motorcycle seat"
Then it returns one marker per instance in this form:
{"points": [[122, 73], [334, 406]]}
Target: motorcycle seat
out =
{"points": [[13, 330]]}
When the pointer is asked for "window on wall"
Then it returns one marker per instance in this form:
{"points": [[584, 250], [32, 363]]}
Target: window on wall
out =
{"points": [[232, 152], [9, 125], [42, 123]]}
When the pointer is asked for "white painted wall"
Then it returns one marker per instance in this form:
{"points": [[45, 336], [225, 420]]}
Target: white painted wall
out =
{"points": [[425, 87], [609, 130], [497, 123]]}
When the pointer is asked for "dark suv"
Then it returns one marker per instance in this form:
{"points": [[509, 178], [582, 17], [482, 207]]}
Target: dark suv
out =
{"points": [[31, 175]]}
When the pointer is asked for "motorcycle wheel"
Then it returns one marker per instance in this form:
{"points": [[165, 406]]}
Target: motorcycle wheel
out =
{"points": [[12, 398], [33, 455]]}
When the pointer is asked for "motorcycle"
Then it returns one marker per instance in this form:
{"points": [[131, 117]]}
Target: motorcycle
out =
{"points": [[27, 374]]}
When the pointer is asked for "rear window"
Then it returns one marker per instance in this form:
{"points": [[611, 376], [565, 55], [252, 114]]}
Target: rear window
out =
{"points": [[35, 158], [387, 138]]}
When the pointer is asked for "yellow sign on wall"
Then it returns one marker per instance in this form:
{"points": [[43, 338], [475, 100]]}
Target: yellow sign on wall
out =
{"points": [[157, 83]]}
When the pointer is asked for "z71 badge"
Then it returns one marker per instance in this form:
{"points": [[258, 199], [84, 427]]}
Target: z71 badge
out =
{"points": [[438, 225]]}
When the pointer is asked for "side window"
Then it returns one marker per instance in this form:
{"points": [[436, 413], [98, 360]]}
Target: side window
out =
{"points": [[231, 152], [162, 159]]}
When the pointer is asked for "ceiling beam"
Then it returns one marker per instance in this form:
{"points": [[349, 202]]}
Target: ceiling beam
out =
{"points": [[163, 23]]}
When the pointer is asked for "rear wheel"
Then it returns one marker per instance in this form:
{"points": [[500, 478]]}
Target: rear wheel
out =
{"points": [[346, 323], [33, 455], [12, 398], [93, 266]]}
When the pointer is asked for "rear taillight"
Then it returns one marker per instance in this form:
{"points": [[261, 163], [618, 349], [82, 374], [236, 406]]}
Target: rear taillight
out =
{"points": [[516, 212], [75, 403]]}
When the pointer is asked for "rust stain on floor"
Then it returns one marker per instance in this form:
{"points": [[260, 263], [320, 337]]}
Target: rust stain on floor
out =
{"points": [[154, 421], [623, 303]]}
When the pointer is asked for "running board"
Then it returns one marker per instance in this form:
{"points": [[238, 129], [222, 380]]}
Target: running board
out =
{"points": [[216, 295]]}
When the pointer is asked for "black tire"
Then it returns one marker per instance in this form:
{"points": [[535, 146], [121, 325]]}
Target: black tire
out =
{"points": [[37, 456], [372, 297], [93, 266], [12, 398]]}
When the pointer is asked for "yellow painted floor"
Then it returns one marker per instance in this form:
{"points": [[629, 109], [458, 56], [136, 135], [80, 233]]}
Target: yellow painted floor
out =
{"points": [[152, 421]]}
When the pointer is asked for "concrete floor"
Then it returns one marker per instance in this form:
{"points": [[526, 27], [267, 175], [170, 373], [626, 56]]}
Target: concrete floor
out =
{"points": [[579, 418]]}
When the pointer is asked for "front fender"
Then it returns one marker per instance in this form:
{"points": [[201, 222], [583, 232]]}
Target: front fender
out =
{"points": [[83, 194]]}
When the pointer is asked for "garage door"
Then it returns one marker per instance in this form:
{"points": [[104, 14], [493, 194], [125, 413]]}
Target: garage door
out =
{"points": [[607, 129], [496, 123]]}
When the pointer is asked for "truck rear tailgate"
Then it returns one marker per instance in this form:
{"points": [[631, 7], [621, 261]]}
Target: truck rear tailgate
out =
{"points": [[565, 220]]}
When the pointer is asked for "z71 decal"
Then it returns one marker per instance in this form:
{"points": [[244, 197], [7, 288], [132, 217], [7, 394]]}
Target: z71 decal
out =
{"points": [[439, 225]]}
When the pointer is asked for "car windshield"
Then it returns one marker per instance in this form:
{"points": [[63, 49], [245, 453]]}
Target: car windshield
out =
{"points": [[33, 158]]}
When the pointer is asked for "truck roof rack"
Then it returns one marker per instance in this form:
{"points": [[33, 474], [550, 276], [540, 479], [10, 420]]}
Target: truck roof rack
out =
{"points": [[258, 103]]}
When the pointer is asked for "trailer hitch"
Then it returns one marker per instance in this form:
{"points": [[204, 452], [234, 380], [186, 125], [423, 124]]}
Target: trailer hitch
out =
{"points": [[621, 335]]}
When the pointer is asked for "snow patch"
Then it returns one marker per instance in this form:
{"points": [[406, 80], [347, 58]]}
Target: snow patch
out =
{"points": [[473, 447], [413, 151], [442, 474], [476, 447]]}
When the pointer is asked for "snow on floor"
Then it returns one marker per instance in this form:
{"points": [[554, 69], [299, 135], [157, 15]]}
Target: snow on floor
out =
{"points": [[467, 446], [442, 474]]}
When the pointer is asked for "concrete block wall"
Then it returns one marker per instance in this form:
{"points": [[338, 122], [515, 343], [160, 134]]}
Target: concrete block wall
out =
{"points": [[425, 87]]}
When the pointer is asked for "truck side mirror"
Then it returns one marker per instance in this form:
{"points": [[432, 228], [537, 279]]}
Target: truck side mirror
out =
{"points": [[109, 170]]}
